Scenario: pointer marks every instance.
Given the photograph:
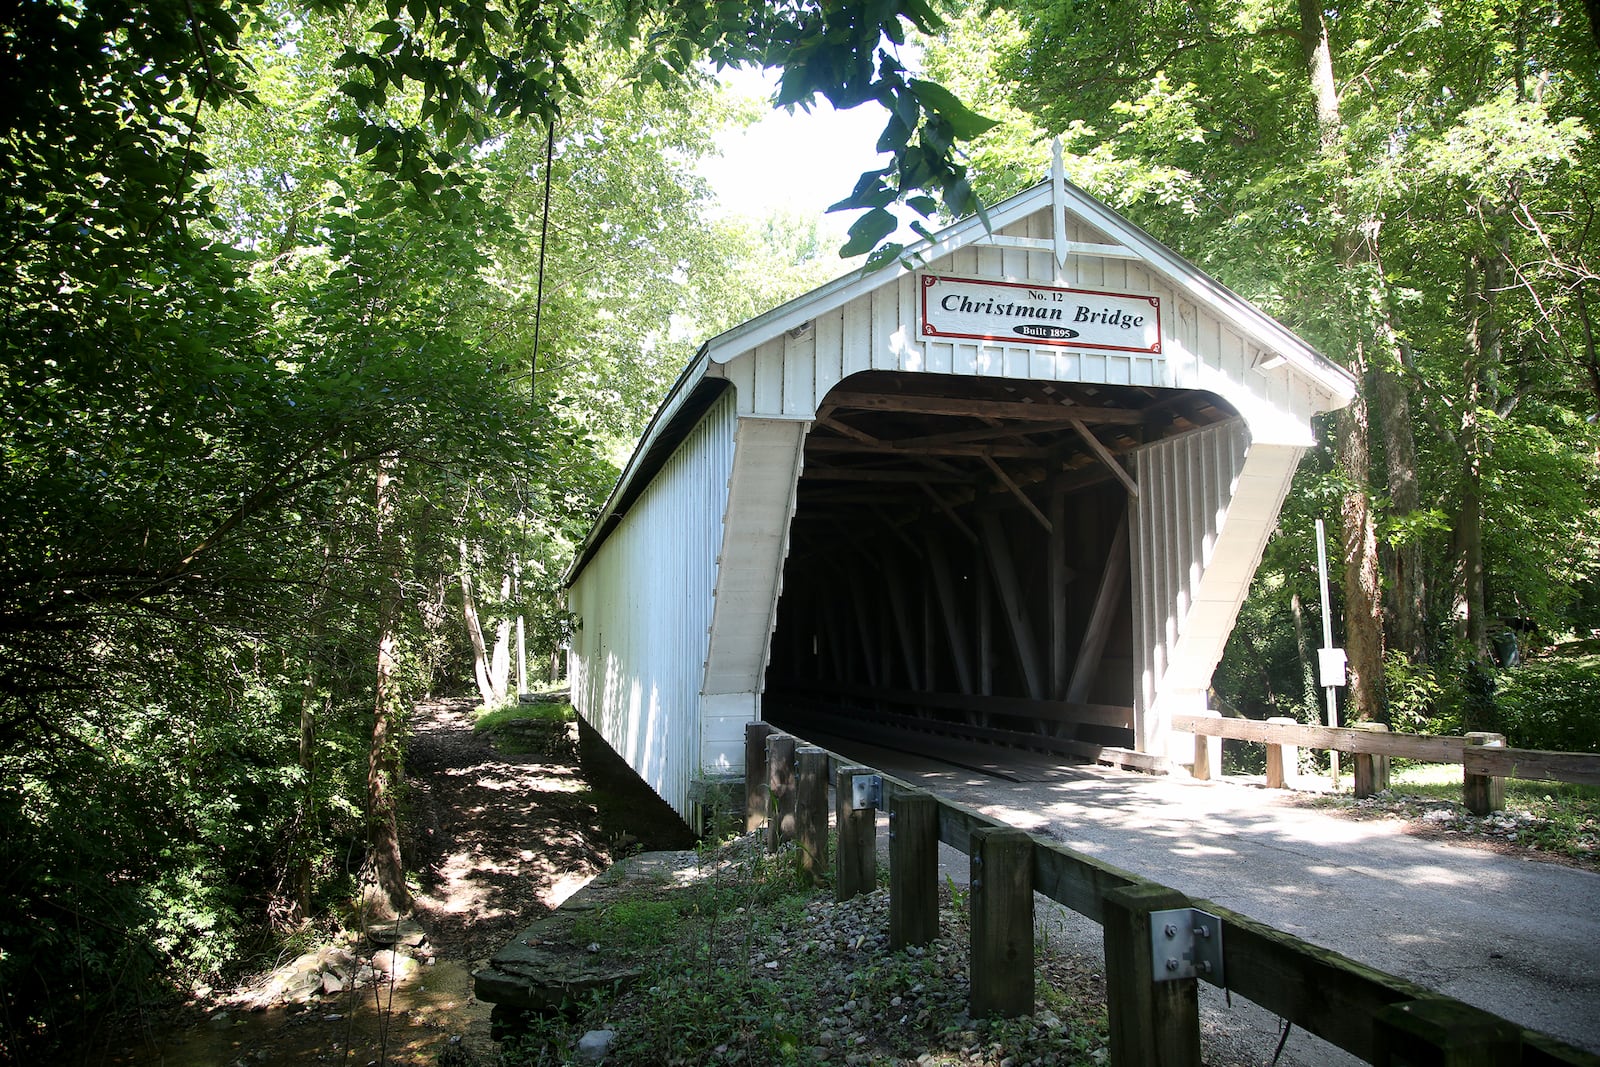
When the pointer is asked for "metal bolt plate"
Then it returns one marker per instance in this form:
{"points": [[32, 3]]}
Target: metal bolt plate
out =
{"points": [[1185, 943], [866, 791]]}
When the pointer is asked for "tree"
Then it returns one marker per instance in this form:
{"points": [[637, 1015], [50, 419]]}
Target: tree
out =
{"points": [[1339, 165]]}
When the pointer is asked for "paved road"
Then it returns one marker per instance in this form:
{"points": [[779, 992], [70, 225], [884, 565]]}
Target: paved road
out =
{"points": [[1516, 937]]}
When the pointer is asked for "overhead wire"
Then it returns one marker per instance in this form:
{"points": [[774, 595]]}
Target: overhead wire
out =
{"points": [[544, 241]]}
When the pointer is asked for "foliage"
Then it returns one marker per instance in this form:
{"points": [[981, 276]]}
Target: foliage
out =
{"points": [[489, 721], [1552, 703], [527, 729], [147, 853], [1420, 702], [255, 254]]}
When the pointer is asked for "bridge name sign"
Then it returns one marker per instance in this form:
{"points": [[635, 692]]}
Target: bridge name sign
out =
{"points": [[1027, 313]]}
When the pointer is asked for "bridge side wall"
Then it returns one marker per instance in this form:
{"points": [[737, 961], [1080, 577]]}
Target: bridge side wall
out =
{"points": [[644, 607]]}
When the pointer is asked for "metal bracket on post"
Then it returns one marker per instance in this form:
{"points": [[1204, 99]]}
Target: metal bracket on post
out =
{"points": [[1185, 943], [866, 791]]}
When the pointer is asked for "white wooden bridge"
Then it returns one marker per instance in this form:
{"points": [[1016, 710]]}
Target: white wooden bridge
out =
{"points": [[1014, 493]]}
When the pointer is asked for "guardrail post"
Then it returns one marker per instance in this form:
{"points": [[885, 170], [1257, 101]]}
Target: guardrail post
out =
{"points": [[1153, 1024], [1372, 771], [856, 869], [811, 810], [1443, 1033], [1202, 758], [913, 869], [780, 790], [1480, 792], [1001, 961], [755, 773], [1207, 749], [1283, 761]]}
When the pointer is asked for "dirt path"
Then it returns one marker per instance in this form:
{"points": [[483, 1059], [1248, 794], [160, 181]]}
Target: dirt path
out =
{"points": [[497, 838]]}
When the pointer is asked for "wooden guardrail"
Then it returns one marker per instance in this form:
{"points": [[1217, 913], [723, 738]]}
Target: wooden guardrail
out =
{"points": [[1153, 1007], [1485, 759]]}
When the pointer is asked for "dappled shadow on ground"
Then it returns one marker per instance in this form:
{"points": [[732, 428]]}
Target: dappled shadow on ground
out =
{"points": [[498, 838]]}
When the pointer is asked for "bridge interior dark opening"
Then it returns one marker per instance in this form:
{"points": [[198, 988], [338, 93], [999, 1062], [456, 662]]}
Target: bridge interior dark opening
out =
{"points": [[958, 567]]}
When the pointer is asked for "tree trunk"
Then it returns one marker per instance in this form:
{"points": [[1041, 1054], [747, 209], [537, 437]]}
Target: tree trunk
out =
{"points": [[500, 660], [307, 816], [469, 614], [1408, 589], [1355, 253], [1310, 696], [1363, 610], [1482, 355], [383, 763], [308, 798]]}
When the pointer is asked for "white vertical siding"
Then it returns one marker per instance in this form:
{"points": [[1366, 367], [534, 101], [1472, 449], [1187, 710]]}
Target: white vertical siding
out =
{"points": [[644, 607], [1207, 504]]}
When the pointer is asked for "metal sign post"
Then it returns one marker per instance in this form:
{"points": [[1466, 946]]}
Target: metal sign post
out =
{"points": [[1330, 660]]}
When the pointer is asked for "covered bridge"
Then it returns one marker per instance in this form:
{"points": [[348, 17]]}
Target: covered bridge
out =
{"points": [[1015, 494]]}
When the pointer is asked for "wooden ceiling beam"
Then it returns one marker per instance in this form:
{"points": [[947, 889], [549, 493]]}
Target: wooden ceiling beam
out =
{"points": [[846, 430], [949, 512], [985, 433], [896, 448], [860, 474], [1016, 491], [999, 409], [1105, 456]]}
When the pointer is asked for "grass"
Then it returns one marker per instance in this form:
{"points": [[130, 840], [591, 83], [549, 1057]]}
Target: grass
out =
{"points": [[498, 718], [753, 966], [1556, 818], [528, 729]]}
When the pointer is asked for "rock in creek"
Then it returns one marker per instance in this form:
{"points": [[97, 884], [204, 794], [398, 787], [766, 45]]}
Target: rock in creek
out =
{"points": [[407, 932]]}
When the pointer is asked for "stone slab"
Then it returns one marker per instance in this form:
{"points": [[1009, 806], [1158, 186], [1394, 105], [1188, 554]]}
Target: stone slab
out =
{"points": [[547, 966]]}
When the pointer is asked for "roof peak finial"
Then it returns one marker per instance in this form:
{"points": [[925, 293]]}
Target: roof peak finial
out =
{"points": [[1058, 200]]}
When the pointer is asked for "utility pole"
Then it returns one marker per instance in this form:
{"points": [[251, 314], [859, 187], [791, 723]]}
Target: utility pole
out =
{"points": [[1330, 660]]}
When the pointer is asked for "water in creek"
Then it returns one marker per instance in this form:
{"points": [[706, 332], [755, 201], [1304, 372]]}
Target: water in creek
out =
{"points": [[421, 1017]]}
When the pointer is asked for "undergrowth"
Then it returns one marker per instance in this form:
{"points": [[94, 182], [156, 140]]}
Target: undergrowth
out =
{"points": [[529, 729], [1558, 819], [754, 966]]}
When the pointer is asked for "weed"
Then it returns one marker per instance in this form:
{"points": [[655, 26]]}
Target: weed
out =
{"points": [[751, 965], [958, 895], [529, 729], [1553, 817], [485, 719]]}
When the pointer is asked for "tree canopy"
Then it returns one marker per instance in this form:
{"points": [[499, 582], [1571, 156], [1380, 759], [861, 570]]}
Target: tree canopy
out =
{"points": [[1410, 187], [271, 283]]}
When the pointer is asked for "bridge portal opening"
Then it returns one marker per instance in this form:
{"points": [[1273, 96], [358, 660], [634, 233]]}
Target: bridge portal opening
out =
{"points": [[958, 569]]}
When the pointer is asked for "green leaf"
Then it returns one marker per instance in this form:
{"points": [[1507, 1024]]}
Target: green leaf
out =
{"points": [[867, 231], [940, 101], [870, 191]]}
